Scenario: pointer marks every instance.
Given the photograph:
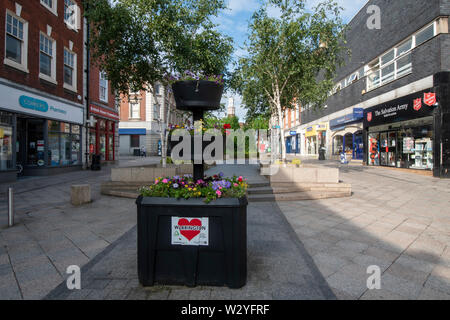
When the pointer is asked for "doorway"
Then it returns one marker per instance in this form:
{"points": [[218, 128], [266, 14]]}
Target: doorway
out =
{"points": [[30, 144]]}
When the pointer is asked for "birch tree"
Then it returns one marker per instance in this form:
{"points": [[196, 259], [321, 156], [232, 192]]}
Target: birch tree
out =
{"points": [[290, 58]]}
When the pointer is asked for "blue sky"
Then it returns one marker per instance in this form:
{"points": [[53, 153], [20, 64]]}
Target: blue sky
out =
{"points": [[234, 22]]}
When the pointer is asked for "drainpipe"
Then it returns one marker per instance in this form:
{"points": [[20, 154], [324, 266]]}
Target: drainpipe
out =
{"points": [[88, 67]]}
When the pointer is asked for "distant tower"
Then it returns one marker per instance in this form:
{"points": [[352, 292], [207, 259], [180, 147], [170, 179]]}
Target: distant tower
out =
{"points": [[231, 110]]}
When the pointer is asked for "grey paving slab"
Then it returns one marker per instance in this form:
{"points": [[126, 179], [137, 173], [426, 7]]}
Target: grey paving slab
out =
{"points": [[279, 267]]}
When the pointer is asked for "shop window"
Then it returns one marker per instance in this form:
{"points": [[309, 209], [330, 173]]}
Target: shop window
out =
{"points": [[6, 143], [16, 42], [35, 143], [374, 149], [134, 141], [47, 47], [64, 144], [338, 143], [348, 143]]}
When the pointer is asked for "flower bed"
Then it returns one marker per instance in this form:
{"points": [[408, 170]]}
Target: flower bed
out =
{"points": [[210, 188]]}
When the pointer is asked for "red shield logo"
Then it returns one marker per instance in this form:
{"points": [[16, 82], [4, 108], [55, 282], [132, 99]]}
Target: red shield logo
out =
{"points": [[429, 98], [369, 116], [418, 104]]}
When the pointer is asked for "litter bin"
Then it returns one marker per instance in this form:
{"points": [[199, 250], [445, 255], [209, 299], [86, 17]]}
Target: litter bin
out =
{"points": [[188, 242], [322, 153], [95, 165]]}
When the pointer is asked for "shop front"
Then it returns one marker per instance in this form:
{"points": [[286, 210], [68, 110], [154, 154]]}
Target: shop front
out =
{"points": [[347, 135], [401, 133], [103, 133], [315, 137], [292, 143], [38, 135]]}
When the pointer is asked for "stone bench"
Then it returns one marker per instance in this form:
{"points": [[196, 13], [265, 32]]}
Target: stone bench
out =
{"points": [[80, 194]]}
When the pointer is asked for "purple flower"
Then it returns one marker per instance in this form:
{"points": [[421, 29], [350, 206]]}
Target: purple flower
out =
{"points": [[175, 185]]}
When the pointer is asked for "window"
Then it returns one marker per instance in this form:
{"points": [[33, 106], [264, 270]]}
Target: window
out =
{"points": [[404, 65], [69, 70], [70, 14], [157, 89], [388, 57], [64, 144], [16, 42], [353, 78], [134, 141], [135, 110], [405, 47], [103, 87], [51, 5], [155, 112], [47, 49], [425, 35]]}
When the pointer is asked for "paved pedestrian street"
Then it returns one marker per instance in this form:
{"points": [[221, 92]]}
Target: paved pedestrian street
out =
{"points": [[321, 249]]}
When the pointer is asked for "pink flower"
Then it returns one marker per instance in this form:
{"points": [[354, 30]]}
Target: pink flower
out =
{"points": [[218, 193], [165, 181], [236, 185], [240, 179], [156, 181]]}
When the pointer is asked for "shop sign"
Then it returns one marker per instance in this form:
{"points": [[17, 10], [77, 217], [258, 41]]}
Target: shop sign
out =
{"points": [[17, 100], [417, 104], [103, 112], [356, 115], [190, 231], [429, 98], [2, 133], [293, 133], [321, 127], [406, 108]]}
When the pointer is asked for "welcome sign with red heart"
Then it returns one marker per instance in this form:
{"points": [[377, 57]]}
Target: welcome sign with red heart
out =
{"points": [[190, 231]]}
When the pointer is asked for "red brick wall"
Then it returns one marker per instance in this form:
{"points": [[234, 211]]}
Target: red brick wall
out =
{"points": [[94, 88], [125, 108], [38, 17]]}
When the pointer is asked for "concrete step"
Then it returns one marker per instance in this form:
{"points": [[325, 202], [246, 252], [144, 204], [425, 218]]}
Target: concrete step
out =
{"points": [[313, 195], [294, 189]]}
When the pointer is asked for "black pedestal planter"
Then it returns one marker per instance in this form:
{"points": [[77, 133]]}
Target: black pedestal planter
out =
{"points": [[223, 261]]}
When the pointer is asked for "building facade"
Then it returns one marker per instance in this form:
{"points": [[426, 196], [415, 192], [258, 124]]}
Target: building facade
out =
{"points": [[390, 105], [103, 133], [141, 119], [41, 83]]}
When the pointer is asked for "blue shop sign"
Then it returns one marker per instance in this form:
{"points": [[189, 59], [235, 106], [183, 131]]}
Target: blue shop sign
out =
{"points": [[293, 133], [356, 116], [37, 105]]}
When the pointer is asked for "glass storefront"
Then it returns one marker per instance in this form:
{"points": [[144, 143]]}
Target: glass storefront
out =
{"points": [[6, 141], [407, 144], [63, 144], [311, 144]]}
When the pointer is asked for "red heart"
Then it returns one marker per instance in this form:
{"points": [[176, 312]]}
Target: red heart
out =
{"points": [[190, 234]]}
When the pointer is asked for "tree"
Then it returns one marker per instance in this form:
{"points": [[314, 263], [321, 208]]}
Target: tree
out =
{"points": [[138, 43], [290, 58]]}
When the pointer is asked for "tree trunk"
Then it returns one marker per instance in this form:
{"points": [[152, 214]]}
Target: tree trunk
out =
{"points": [[280, 124]]}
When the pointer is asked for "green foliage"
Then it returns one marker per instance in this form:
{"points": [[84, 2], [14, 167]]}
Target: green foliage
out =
{"points": [[290, 59], [140, 42]]}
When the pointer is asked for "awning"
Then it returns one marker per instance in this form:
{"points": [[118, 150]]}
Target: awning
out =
{"points": [[132, 131]]}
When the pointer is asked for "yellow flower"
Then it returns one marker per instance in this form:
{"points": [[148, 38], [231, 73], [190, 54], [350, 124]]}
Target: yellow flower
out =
{"points": [[195, 189], [190, 189]]}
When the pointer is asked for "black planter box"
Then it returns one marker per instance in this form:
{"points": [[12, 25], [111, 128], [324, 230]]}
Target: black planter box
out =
{"points": [[223, 261], [204, 95]]}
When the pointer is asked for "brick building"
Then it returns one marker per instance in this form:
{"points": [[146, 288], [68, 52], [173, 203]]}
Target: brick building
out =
{"points": [[390, 105], [103, 135], [41, 84], [141, 118]]}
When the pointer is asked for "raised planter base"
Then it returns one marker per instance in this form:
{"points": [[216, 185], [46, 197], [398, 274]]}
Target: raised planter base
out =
{"points": [[172, 250]]}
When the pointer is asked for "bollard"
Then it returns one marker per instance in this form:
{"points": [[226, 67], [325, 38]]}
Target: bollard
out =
{"points": [[10, 207]]}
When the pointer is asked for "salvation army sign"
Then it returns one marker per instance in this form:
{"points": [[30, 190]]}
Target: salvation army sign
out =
{"points": [[405, 108], [190, 231]]}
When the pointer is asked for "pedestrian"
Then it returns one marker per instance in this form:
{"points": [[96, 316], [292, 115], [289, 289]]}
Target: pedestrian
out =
{"points": [[143, 152]]}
